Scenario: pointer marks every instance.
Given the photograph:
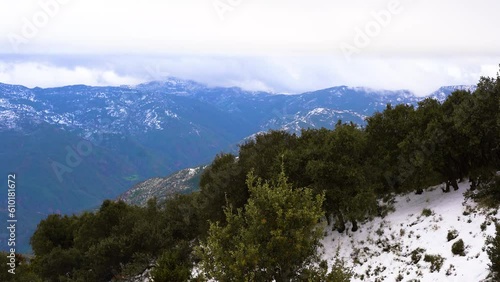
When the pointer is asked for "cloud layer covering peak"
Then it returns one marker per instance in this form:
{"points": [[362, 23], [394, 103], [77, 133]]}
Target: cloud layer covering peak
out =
{"points": [[280, 46]]}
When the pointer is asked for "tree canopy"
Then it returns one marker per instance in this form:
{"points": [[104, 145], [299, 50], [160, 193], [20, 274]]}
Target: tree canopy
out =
{"points": [[258, 214]]}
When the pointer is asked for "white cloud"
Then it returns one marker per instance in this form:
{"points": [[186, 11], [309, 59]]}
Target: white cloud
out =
{"points": [[458, 27], [281, 45], [280, 74], [34, 74]]}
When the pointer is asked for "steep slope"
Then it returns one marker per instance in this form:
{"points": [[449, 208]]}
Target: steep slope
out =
{"points": [[393, 248], [183, 181], [322, 108], [444, 91], [74, 146]]}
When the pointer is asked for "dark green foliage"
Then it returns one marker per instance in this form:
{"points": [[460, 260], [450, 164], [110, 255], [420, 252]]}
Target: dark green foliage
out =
{"points": [[494, 253], [416, 255], [23, 270], [223, 182], [174, 264], [275, 237], [57, 263], [102, 245], [262, 231], [483, 226], [338, 273], [336, 165], [264, 154], [458, 248], [435, 143], [183, 217], [427, 212], [452, 234], [488, 191], [436, 262], [386, 130], [451, 155], [418, 148], [56, 231]]}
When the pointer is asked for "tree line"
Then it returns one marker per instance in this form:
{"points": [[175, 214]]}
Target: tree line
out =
{"points": [[259, 215]]}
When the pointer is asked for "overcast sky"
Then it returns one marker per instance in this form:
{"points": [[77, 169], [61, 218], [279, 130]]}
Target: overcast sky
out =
{"points": [[285, 46]]}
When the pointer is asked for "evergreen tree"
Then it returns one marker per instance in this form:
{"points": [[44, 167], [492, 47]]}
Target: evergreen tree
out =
{"points": [[385, 131], [263, 155], [494, 254], [451, 157], [275, 237], [418, 148], [338, 166], [221, 183], [174, 264], [23, 270]]}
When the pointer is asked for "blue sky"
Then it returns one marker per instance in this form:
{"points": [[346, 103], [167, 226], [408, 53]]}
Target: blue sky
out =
{"points": [[281, 46]]}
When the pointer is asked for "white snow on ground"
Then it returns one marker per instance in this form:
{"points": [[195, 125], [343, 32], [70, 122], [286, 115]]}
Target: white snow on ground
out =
{"points": [[381, 249]]}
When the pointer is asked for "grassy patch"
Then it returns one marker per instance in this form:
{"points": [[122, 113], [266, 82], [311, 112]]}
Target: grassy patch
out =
{"points": [[133, 177]]}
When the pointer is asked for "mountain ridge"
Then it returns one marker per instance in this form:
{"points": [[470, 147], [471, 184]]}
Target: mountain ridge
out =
{"points": [[125, 135]]}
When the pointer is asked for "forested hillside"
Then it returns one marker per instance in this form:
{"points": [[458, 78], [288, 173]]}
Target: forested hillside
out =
{"points": [[260, 214], [75, 146]]}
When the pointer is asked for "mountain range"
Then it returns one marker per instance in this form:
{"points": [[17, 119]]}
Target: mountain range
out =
{"points": [[74, 146]]}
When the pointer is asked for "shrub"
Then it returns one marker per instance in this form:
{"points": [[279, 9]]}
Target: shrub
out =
{"points": [[436, 262], [458, 248], [493, 251], [427, 212], [450, 270], [173, 265], [488, 192], [452, 234], [416, 255], [278, 226]]}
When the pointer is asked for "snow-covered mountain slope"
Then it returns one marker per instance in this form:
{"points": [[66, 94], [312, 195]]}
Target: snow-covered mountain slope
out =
{"points": [[77, 145], [183, 181], [388, 249], [444, 91]]}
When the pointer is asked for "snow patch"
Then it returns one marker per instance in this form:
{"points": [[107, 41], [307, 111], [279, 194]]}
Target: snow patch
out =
{"points": [[382, 248]]}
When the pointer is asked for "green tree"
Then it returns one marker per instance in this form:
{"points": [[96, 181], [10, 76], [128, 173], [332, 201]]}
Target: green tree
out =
{"points": [[337, 165], [418, 147], [276, 235], [494, 253], [222, 182], [57, 264], [451, 157], [23, 270], [182, 218], [478, 118], [54, 231], [263, 154], [385, 131], [174, 264]]}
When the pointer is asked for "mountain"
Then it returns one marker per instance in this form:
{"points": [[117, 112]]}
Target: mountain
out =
{"points": [[74, 146], [444, 91], [298, 111], [184, 181]]}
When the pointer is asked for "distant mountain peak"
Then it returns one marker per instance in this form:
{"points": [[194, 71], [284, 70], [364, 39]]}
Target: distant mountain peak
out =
{"points": [[444, 91]]}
